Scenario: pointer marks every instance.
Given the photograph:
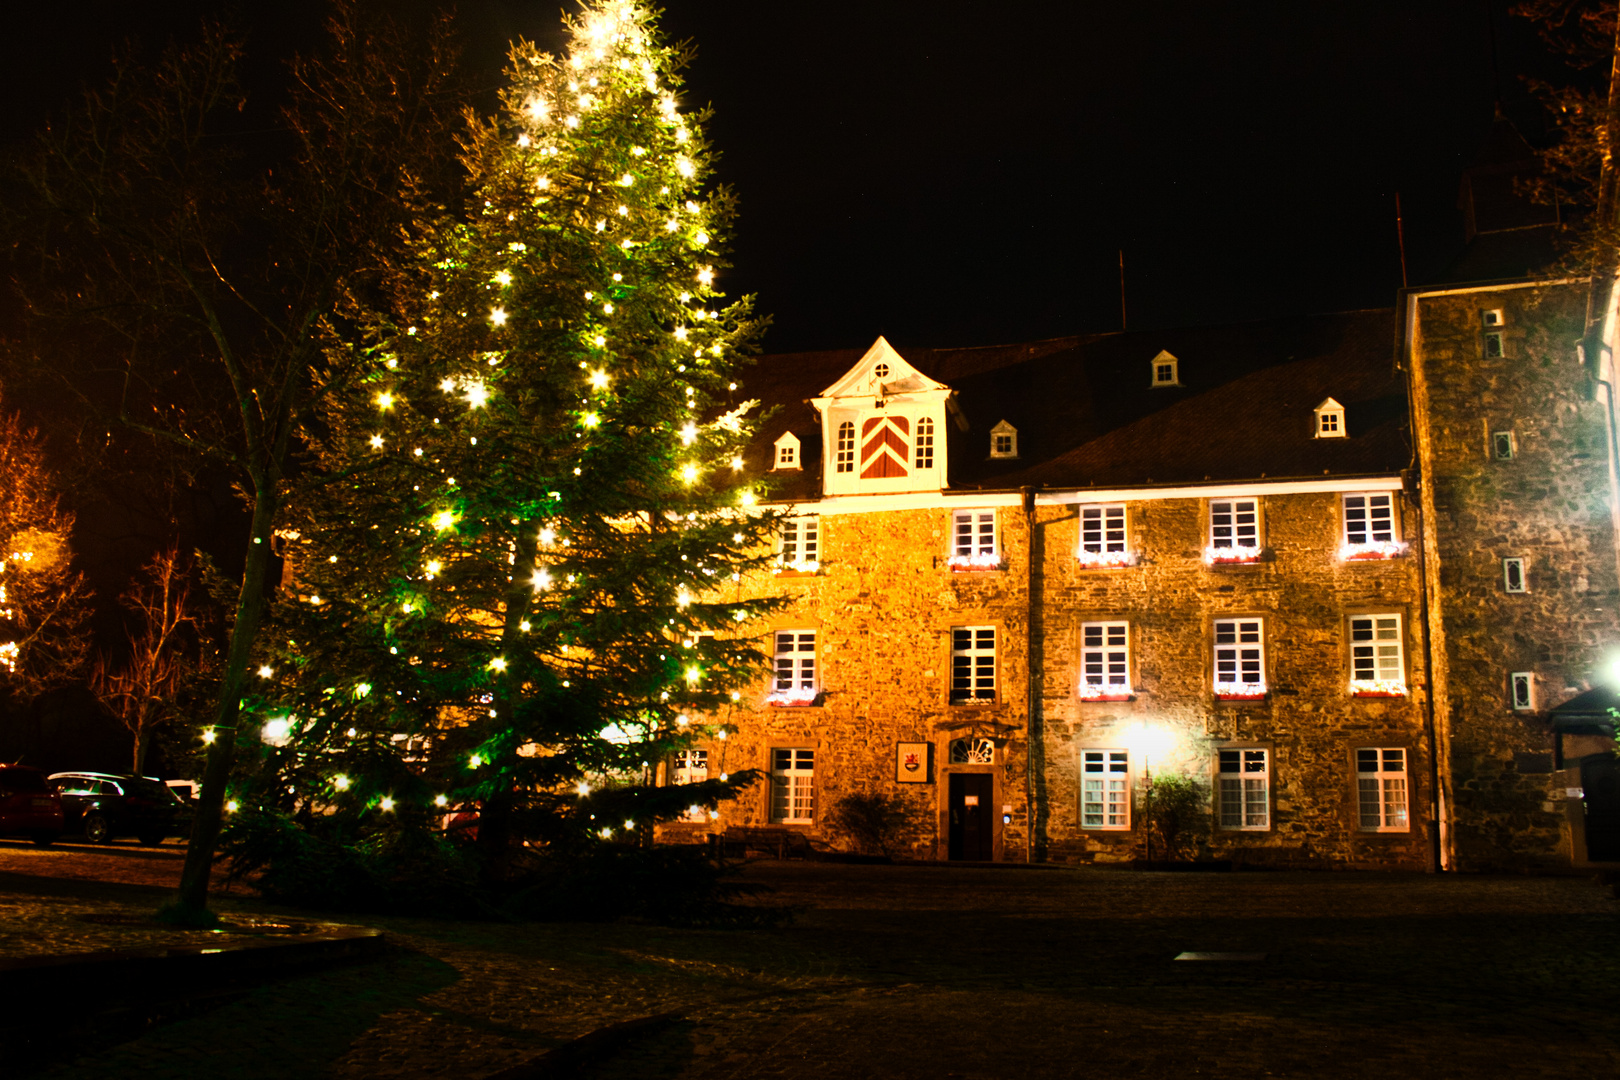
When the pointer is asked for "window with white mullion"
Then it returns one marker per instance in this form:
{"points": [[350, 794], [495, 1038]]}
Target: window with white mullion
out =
{"points": [[1240, 658], [1105, 789], [1234, 529], [1243, 786], [1102, 536], [1105, 660], [1369, 518], [793, 773], [690, 767], [801, 544], [795, 667], [973, 664], [1377, 661], [1381, 789], [923, 446], [844, 448], [973, 539]]}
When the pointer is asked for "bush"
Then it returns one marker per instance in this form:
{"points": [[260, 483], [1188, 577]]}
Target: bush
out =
{"points": [[876, 824], [1174, 808]]}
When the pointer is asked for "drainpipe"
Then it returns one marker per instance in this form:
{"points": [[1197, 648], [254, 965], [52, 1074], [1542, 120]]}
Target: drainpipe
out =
{"points": [[1031, 683]]}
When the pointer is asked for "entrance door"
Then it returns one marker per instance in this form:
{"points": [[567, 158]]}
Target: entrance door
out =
{"points": [[1600, 780], [972, 832]]}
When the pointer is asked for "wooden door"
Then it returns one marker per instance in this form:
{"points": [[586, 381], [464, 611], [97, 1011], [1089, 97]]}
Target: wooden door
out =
{"points": [[1600, 783], [972, 827]]}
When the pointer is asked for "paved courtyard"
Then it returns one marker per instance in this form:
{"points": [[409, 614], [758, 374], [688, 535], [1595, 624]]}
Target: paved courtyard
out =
{"points": [[929, 971]]}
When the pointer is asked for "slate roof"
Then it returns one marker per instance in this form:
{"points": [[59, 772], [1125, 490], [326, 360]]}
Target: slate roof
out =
{"points": [[1086, 415]]}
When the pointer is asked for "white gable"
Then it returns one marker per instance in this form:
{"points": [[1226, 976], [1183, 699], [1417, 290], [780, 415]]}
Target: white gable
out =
{"points": [[1328, 421], [880, 373], [787, 454], [883, 427]]}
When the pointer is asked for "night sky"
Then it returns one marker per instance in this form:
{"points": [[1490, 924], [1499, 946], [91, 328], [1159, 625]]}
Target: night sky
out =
{"points": [[957, 174]]}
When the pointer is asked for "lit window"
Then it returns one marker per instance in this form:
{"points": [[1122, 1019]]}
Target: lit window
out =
{"points": [[1377, 668], [1369, 526], [1105, 789], [690, 767], [844, 457], [787, 451], [1234, 531], [793, 796], [1102, 536], [1330, 420], [1164, 369], [1105, 667], [1244, 789], [925, 443], [973, 540], [972, 752], [973, 664], [1513, 579], [794, 678], [1003, 441], [801, 545], [1240, 659], [1381, 790], [1522, 685]]}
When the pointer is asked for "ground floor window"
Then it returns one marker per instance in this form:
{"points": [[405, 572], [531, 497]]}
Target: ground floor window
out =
{"points": [[793, 773], [690, 767], [1244, 789], [1105, 789], [1381, 789]]}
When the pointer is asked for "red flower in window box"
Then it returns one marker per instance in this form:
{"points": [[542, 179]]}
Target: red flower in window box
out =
{"points": [[793, 699], [1105, 693], [1240, 691], [1377, 688]]}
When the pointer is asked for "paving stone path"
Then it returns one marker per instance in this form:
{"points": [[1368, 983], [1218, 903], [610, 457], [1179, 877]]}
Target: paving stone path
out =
{"points": [[916, 971]]}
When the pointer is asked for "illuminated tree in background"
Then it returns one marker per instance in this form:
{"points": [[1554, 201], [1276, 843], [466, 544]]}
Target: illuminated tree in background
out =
{"points": [[44, 602], [512, 564]]}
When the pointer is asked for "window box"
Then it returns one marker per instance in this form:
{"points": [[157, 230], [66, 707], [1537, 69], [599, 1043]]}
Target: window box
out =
{"points": [[798, 568], [1233, 556], [974, 563], [1378, 688], [1387, 549], [792, 699], [1240, 691], [1105, 693], [1104, 560]]}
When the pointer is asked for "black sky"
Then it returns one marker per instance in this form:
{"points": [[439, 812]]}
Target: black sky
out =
{"points": [[964, 173]]}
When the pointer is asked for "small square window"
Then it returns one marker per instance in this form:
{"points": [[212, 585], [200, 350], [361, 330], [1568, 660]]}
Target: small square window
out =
{"points": [[1105, 789], [1522, 685], [1513, 578], [1491, 317], [1504, 446], [1381, 790], [1164, 370], [1003, 441], [1244, 789]]}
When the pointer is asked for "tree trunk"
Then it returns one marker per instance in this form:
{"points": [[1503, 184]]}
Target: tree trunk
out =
{"points": [[191, 903]]}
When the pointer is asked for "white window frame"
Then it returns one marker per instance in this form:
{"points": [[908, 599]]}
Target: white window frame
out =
{"points": [[1377, 655], [973, 665], [690, 766], [795, 675], [1515, 579], [1383, 792], [1495, 345], [844, 447], [1234, 540], [975, 540], [1504, 441], [1105, 789], [922, 446], [1240, 656], [798, 545], [793, 785], [1522, 691], [1003, 431], [1104, 535], [1237, 809], [1372, 525], [1105, 661], [1156, 366], [787, 453], [1492, 318]]}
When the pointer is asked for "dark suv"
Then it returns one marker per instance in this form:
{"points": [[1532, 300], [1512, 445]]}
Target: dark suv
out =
{"points": [[104, 806], [28, 805]]}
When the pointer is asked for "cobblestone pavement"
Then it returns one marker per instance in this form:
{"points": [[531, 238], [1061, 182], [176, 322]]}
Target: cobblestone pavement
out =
{"points": [[917, 971]]}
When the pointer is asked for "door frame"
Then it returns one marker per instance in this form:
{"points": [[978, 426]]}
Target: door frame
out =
{"points": [[943, 834]]}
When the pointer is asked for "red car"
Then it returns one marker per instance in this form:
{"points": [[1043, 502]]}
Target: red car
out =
{"points": [[29, 805]]}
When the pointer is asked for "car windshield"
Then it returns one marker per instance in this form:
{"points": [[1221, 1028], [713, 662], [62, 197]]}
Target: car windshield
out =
{"points": [[22, 780]]}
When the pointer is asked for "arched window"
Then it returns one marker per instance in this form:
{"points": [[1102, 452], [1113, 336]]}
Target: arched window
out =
{"points": [[846, 447], [925, 443]]}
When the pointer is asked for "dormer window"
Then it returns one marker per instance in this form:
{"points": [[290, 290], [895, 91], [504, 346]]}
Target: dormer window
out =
{"points": [[1330, 420], [1165, 369], [787, 452], [1004, 441]]}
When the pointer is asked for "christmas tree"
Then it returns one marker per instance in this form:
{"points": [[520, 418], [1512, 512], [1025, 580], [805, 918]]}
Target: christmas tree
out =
{"points": [[514, 559]]}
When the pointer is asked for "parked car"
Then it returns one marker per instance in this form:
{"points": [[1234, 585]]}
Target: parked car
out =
{"points": [[105, 805], [29, 806]]}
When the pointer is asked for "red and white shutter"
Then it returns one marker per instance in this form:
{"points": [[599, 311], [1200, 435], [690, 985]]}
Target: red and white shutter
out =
{"points": [[885, 447]]}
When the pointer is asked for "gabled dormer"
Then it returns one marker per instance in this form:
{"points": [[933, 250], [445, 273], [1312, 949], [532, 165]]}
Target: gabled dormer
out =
{"points": [[1164, 370], [787, 454], [1004, 441], [883, 427], [1330, 420]]}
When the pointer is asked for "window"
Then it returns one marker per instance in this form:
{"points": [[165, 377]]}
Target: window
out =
{"points": [[1381, 790], [787, 452], [1244, 789], [972, 752], [801, 545], [1163, 369], [1377, 668], [1234, 531], [1494, 345], [1105, 789], [1523, 687], [973, 540], [1491, 317], [1102, 536], [1513, 579], [1240, 659], [924, 445], [1504, 446], [1330, 420], [690, 767], [973, 664], [1369, 526], [794, 682], [1003, 441], [1105, 669], [881, 371], [844, 457], [793, 796]]}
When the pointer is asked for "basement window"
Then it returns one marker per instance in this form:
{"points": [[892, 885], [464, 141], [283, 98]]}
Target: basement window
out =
{"points": [[1504, 445], [1513, 578], [1522, 685]]}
